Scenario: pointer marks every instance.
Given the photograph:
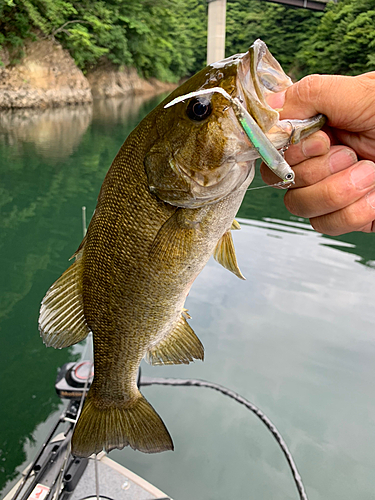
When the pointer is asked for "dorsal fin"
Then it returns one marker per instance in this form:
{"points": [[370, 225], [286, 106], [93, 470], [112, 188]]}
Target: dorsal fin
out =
{"points": [[78, 253], [180, 347], [225, 254], [61, 319]]}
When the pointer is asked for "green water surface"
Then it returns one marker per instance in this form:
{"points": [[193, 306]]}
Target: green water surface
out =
{"points": [[297, 338]]}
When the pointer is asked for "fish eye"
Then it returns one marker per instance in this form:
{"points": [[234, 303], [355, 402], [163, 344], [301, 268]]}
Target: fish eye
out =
{"points": [[198, 109]]}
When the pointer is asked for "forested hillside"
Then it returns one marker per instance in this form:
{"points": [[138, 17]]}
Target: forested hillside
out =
{"points": [[167, 38], [341, 40], [161, 38]]}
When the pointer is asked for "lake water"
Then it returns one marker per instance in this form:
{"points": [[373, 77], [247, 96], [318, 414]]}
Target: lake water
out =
{"points": [[297, 338]]}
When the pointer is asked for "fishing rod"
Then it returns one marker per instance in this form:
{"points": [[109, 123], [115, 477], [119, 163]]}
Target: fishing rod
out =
{"points": [[67, 470], [146, 381]]}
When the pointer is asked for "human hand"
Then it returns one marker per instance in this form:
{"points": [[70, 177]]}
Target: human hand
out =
{"points": [[334, 190]]}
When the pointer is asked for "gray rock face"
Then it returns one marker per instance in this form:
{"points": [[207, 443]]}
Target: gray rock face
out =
{"points": [[46, 76], [107, 80]]}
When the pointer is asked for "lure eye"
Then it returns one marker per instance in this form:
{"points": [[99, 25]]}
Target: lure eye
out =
{"points": [[198, 109]]}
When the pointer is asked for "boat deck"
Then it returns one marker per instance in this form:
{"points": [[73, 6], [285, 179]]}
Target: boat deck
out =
{"points": [[115, 482]]}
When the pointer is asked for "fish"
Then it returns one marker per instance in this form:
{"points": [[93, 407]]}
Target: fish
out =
{"points": [[167, 204]]}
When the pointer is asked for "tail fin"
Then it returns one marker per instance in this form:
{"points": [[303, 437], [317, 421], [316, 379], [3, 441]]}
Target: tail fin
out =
{"points": [[137, 425]]}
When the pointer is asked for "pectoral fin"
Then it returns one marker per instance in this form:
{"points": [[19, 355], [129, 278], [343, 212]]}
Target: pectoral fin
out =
{"points": [[173, 241], [180, 347], [225, 255], [61, 320]]}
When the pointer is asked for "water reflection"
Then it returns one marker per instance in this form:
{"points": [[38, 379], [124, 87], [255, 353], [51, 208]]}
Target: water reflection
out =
{"points": [[54, 132], [119, 110], [265, 204], [296, 337], [51, 163], [40, 193], [360, 244]]}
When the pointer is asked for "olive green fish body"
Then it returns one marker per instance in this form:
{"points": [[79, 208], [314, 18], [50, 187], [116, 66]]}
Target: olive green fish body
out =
{"points": [[137, 275], [166, 205], [139, 260]]}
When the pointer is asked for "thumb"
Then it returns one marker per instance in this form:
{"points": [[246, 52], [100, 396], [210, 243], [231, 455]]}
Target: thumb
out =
{"points": [[343, 99]]}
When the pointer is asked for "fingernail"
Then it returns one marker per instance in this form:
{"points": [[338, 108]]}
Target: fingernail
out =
{"points": [[363, 175], [341, 159], [370, 198], [315, 146], [276, 101]]}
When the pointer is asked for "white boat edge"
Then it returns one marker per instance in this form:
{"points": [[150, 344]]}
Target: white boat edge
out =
{"points": [[104, 459]]}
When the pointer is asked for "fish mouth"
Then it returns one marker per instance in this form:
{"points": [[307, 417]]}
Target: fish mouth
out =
{"points": [[259, 74], [210, 179]]}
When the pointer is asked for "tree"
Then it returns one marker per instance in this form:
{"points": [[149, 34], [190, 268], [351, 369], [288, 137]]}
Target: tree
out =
{"points": [[161, 38], [167, 38], [283, 29], [344, 41]]}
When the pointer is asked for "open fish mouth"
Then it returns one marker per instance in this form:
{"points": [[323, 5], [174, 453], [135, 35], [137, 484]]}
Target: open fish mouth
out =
{"points": [[259, 74]]}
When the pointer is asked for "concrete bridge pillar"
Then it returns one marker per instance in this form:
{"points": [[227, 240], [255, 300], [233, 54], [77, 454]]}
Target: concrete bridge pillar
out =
{"points": [[216, 30]]}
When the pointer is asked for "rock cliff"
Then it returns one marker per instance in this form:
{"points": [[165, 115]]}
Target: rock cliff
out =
{"points": [[106, 80], [46, 76]]}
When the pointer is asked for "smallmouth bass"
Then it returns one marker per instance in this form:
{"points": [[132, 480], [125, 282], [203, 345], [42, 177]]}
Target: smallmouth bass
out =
{"points": [[166, 205]]}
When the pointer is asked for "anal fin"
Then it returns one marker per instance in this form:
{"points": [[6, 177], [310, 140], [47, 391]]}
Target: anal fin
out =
{"points": [[225, 255], [180, 347]]}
